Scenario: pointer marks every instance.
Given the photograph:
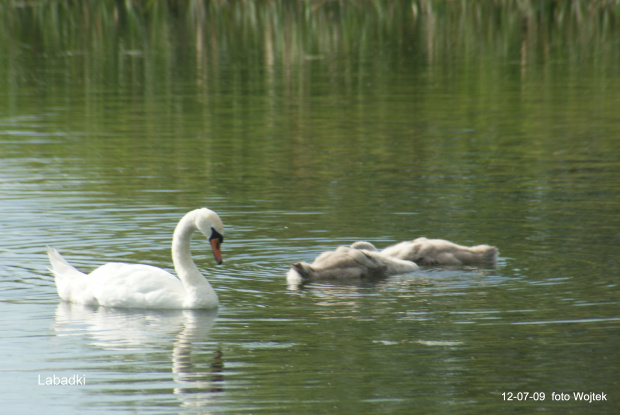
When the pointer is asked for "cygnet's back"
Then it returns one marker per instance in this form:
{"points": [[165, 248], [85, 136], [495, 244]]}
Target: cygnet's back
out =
{"points": [[348, 264], [425, 251]]}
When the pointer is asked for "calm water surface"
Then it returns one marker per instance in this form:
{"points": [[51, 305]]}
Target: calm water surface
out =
{"points": [[299, 158]]}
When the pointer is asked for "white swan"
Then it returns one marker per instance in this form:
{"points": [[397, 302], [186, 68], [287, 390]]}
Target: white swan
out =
{"points": [[425, 251], [348, 264], [145, 286]]}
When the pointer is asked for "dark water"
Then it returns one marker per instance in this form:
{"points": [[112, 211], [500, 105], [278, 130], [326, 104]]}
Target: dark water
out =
{"points": [[305, 132]]}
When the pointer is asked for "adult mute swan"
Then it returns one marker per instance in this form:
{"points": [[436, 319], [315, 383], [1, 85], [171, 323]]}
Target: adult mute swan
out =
{"points": [[425, 251], [145, 286], [348, 264]]}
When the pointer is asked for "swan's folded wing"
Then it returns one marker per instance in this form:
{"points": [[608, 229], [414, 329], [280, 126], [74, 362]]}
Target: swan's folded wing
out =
{"points": [[130, 285], [389, 265], [371, 260]]}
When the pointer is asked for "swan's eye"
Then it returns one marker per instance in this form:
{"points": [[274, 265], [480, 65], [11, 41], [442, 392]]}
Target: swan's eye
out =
{"points": [[216, 235]]}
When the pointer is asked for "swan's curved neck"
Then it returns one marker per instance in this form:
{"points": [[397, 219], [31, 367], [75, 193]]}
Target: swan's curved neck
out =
{"points": [[184, 264]]}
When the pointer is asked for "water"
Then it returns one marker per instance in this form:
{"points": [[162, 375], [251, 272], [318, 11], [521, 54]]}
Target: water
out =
{"points": [[320, 143]]}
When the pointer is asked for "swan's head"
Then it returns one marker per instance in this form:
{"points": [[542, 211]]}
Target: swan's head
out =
{"points": [[210, 224]]}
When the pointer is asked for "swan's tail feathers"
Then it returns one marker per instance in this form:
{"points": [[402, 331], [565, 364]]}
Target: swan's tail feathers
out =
{"points": [[60, 267], [488, 253]]}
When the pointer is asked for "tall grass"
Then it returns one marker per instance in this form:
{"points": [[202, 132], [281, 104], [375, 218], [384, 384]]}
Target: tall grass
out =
{"points": [[144, 44], [296, 30]]}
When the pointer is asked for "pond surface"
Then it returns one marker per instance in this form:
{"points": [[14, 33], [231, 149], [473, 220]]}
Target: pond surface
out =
{"points": [[301, 144]]}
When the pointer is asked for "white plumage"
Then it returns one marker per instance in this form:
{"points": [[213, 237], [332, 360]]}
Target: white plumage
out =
{"points": [[146, 286]]}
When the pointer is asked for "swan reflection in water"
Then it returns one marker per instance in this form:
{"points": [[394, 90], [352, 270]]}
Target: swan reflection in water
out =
{"points": [[192, 377], [150, 331]]}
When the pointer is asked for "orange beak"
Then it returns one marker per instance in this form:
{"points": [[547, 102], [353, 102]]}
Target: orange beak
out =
{"points": [[217, 253]]}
